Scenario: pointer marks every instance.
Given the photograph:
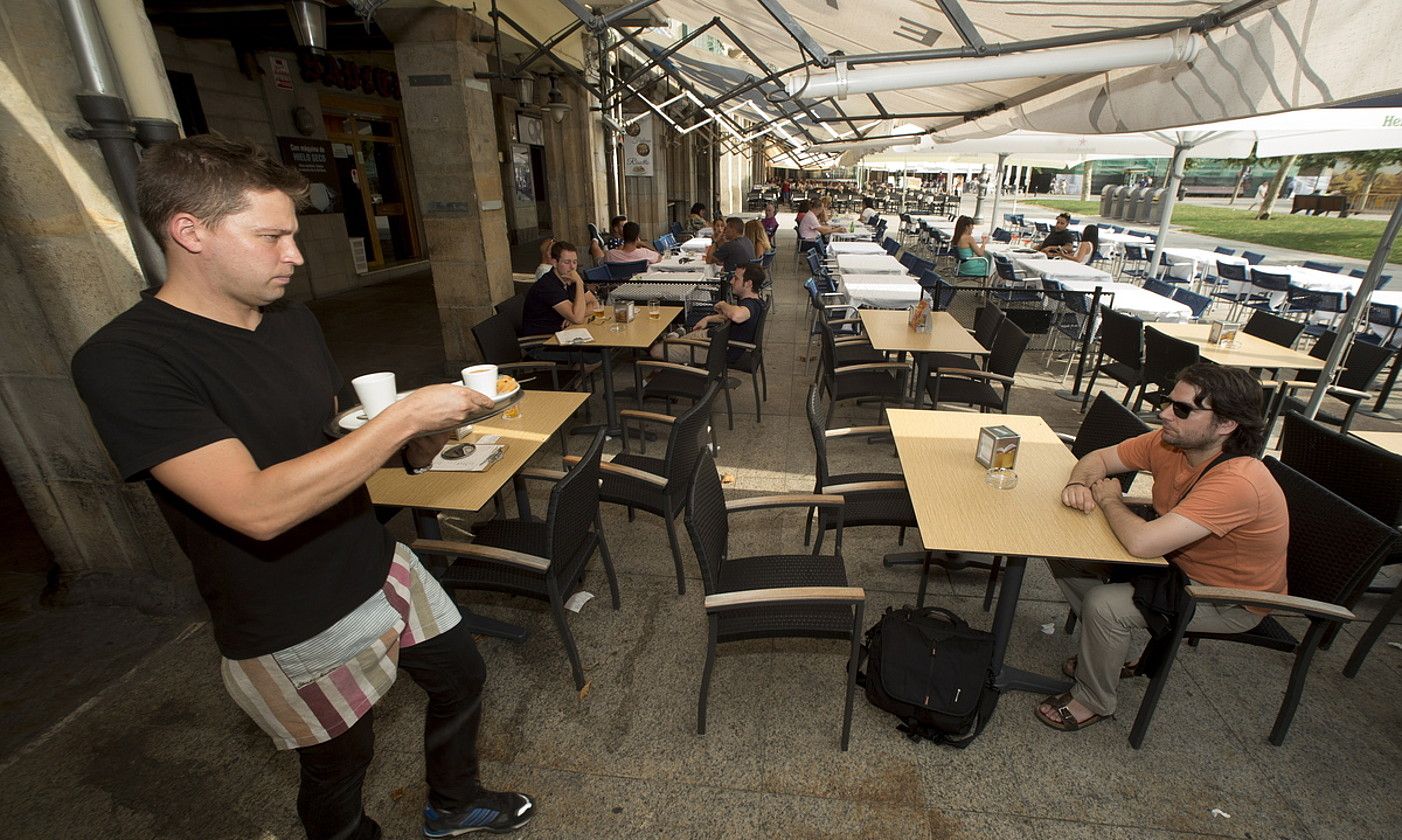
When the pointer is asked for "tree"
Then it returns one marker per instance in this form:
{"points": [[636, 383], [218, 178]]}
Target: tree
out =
{"points": [[1274, 189], [1245, 163], [1370, 165], [1089, 172]]}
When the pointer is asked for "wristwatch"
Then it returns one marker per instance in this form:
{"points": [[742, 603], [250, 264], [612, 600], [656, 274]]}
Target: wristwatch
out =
{"points": [[408, 467]]}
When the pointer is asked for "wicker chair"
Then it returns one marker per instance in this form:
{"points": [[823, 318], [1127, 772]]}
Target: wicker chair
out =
{"points": [[882, 382], [1334, 546], [1122, 339], [672, 381], [769, 596], [1164, 357], [976, 387], [538, 559]]}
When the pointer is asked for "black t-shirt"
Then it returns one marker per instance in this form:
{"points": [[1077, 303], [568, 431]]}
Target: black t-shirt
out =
{"points": [[1056, 237], [539, 316], [160, 382], [736, 253], [745, 331]]}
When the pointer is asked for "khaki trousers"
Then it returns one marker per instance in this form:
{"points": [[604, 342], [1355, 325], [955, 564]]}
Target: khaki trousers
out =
{"points": [[1108, 614]]}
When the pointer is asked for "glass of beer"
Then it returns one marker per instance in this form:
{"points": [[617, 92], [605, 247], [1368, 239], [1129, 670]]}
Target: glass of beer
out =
{"points": [[653, 310]]}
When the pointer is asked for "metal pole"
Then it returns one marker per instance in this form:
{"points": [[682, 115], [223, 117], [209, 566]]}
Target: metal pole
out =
{"points": [[997, 191], [112, 128], [1086, 339], [1356, 308], [1170, 198], [610, 157]]}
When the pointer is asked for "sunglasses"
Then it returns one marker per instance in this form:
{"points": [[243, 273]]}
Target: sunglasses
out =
{"points": [[1183, 410]]}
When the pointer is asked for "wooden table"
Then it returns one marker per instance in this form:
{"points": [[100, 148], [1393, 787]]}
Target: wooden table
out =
{"points": [[1391, 441], [1251, 352], [957, 511], [637, 335], [542, 413], [889, 331]]}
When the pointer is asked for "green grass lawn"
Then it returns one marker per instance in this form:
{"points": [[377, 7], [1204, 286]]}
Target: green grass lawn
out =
{"points": [[1356, 238]]}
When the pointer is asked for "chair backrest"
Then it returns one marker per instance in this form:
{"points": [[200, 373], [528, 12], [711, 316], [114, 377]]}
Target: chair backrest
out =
{"points": [[1383, 314], [1367, 475], [1122, 337], [1195, 302], [1165, 356], [1158, 287], [918, 265], [817, 425], [1135, 253], [1235, 272], [766, 261], [514, 308], [1252, 257], [686, 440], [660, 245], [1322, 266], [1006, 352], [1362, 364], [988, 321], [706, 520], [943, 293], [1228, 251], [574, 505], [598, 274], [1005, 269], [496, 338], [891, 246], [625, 270], [1273, 328], [718, 353], [1271, 281], [1335, 547], [677, 230], [1107, 423], [908, 260], [1000, 235]]}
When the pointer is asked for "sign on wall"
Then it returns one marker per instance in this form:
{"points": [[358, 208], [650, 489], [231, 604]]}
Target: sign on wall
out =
{"points": [[530, 130], [316, 161], [638, 148]]}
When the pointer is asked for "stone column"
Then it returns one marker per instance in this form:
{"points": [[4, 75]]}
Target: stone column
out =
{"points": [[450, 127], [66, 268]]}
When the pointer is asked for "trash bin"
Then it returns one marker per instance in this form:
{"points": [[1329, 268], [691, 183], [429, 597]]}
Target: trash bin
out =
{"points": [[1117, 202], [1155, 208], [1106, 197], [1136, 198]]}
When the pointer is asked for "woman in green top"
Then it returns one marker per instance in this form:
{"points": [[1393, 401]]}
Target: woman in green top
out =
{"points": [[973, 262], [697, 220]]}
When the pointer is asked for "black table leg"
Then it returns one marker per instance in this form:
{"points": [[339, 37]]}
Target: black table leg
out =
{"points": [[1007, 678], [426, 526]]}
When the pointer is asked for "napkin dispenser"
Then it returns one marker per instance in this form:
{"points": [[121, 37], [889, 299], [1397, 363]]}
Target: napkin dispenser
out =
{"points": [[997, 447]]}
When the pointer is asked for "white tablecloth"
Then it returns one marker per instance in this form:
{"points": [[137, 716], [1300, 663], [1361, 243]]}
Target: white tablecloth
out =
{"points": [[855, 248], [892, 293], [869, 264], [696, 244], [675, 276], [1188, 263], [1133, 300], [684, 263], [1059, 269]]}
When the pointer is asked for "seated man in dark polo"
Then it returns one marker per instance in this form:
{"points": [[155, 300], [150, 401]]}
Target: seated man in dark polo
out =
{"points": [[731, 248], [558, 299], [1222, 521], [1058, 241], [743, 316]]}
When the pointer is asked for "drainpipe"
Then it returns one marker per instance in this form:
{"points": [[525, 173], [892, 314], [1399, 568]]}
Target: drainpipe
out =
{"points": [[610, 147], [111, 127], [142, 74]]}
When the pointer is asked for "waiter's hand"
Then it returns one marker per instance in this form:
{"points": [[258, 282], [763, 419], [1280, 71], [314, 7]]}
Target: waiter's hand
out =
{"points": [[438, 407]]}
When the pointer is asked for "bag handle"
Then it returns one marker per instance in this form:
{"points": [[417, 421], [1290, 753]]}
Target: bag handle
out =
{"points": [[929, 611]]}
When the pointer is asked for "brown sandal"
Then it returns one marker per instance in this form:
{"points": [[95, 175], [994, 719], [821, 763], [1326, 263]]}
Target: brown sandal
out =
{"points": [[1068, 668], [1066, 722]]}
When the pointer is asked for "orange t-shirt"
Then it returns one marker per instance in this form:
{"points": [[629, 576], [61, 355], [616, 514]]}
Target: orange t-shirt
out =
{"points": [[1238, 501]]}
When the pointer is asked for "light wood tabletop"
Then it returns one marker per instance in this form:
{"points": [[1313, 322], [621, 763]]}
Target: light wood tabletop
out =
{"points": [[641, 332], [1391, 441], [889, 330], [542, 414], [958, 511], [1250, 352]]}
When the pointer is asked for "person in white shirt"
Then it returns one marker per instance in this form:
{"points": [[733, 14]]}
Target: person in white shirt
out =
{"points": [[867, 210]]}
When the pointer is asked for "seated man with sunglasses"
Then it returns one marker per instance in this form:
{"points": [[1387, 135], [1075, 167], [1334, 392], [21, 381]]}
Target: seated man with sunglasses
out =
{"points": [[1222, 521]]}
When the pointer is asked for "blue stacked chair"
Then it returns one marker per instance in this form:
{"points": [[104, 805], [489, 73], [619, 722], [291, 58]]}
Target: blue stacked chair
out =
{"points": [[1323, 266], [1158, 287], [1252, 257], [1194, 301]]}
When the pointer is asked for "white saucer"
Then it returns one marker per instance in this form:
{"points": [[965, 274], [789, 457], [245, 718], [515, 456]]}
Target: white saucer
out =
{"points": [[355, 420]]}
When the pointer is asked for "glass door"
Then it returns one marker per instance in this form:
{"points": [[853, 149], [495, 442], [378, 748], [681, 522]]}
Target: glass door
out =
{"points": [[370, 155]]}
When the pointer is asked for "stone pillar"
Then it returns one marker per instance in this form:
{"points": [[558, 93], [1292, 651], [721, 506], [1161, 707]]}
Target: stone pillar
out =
{"points": [[450, 127], [66, 268]]}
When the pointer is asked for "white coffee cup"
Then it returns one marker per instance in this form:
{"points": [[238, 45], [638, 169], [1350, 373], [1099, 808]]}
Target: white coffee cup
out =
{"points": [[481, 378], [376, 392]]}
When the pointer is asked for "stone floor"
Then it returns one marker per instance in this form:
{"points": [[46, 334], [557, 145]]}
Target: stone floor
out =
{"points": [[149, 746]]}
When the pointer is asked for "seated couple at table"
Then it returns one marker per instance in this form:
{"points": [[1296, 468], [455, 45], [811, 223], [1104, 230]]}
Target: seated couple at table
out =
{"points": [[631, 249], [1222, 521], [1059, 243], [731, 248], [744, 317]]}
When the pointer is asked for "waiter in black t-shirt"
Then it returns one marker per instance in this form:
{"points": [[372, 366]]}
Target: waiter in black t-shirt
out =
{"points": [[1059, 240], [214, 391]]}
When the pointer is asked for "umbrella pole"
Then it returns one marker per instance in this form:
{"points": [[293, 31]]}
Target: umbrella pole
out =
{"points": [[997, 192], [1170, 198], [1355, 312]]}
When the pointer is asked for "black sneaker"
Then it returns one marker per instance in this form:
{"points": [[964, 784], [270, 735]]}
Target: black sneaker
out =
{"points": [[499, 813]]}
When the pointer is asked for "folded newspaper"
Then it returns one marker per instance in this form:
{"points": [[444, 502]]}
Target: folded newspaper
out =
{"points": [[468, 457], [578, 335]]}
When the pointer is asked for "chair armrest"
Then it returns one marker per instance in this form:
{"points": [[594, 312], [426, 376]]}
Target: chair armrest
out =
{"points": [[1339, 390], [969, 373], [785, 595], [857, 430], [481, 552], [872, 366], [742, 345], [540, 474], [1065, 438], [650, 416], [863, 487], [652, 363], [528, 340], [686, 339], [844, 321], [624, 472], [783, 500], [1269, 600]]}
